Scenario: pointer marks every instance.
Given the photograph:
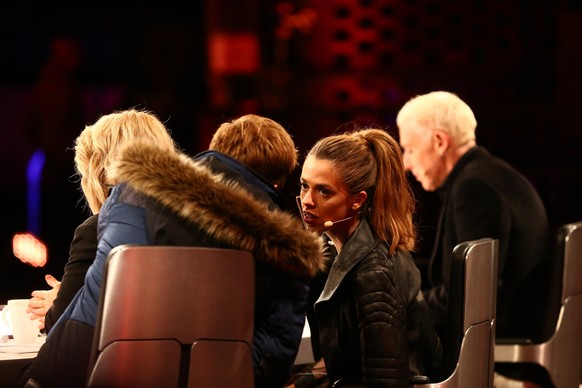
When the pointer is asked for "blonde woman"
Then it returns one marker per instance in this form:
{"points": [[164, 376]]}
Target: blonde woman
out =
{"points": [[94, 149]]}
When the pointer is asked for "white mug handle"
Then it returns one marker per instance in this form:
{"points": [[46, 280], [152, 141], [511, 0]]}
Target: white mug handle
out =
{"points": [[5, 318]]}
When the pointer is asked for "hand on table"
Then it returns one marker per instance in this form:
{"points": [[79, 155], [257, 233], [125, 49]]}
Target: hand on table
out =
{"points": [[42, 300], [314, 377]]}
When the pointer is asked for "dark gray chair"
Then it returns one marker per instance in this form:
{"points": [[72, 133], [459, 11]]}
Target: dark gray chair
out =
{"points": [[470, 338], [561, 354], [175, 317]]}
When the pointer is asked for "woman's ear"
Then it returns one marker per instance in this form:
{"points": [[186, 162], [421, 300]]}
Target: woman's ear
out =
{"points": [[359, 200]]}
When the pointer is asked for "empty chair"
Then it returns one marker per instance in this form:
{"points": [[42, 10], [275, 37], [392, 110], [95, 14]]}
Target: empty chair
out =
{"points": [[469, 342], [175, 317], [561, 354]]}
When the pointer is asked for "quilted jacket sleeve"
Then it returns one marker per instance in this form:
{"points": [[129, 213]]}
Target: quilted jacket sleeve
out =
{"points": [[383, 332]]}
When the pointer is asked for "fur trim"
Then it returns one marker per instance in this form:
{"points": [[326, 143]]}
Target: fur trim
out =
{"points": [[222, 208]]}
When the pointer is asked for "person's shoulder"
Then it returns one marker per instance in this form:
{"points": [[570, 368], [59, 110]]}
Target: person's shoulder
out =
{"points": [[487, 172], [91, 221], [481, 169], [379, 271], [403, 261], [120, 196], [483, 160], [88, 227], [379, 259]]}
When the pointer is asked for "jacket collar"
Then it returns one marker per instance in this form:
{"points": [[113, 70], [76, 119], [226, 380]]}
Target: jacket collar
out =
{"points": [[234, 170], [360, 243]]}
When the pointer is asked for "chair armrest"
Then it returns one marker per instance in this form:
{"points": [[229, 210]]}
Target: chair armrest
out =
{"points": [[513, 341], [419, 379], [348, 383], [355, 383]]}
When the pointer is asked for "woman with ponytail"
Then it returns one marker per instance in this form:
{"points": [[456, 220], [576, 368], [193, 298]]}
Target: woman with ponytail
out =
{"points": [[374, 325]]}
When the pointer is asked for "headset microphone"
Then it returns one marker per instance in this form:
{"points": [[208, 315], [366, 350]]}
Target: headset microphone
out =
{"points": [[329, 224], [326, 224]]}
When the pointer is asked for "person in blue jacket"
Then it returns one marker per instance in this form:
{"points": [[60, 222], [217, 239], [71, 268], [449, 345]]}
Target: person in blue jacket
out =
{"points": [[226, 197], [94, 148]]}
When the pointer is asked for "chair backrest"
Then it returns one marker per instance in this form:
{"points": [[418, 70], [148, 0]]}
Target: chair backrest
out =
{"points": [[469, 342], [561, 354], [175, 317]]}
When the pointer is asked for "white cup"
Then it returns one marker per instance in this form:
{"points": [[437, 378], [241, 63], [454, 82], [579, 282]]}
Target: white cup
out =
{"points": [[23, 328]]}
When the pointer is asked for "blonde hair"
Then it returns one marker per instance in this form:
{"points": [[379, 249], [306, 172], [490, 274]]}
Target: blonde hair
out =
{"points": [[260, 143], [96, 147], [370, 160], [440, 110]]}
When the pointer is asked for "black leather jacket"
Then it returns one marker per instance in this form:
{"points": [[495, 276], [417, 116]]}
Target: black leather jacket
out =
{"points": [[374, 325]]}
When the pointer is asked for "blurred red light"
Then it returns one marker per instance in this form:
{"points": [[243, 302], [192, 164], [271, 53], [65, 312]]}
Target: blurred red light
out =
{"points": [[29, 249]]}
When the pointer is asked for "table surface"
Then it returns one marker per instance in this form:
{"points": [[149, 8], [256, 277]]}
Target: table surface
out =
{"points": [[305, 354], [15, 358], [11, 350]]}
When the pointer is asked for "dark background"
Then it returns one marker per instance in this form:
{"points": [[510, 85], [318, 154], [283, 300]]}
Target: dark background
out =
{"points": [[314, 66]]}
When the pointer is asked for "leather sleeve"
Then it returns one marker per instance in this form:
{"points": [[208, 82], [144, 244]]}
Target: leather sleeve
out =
{"points": [[383, 330]]}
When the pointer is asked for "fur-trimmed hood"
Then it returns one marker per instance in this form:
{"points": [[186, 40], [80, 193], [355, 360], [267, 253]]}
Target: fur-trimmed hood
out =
{"points": [[224, 209]]}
